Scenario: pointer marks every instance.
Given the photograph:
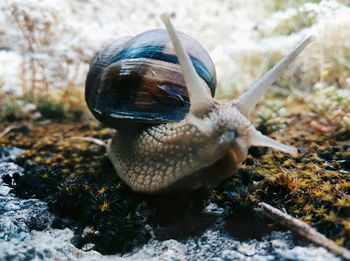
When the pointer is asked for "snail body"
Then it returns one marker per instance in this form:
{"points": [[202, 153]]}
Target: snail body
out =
{"points": [[157, 90]]}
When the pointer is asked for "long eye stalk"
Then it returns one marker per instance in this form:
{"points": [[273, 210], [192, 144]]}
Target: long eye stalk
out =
{"points": [[247, 102], [201, 101]]}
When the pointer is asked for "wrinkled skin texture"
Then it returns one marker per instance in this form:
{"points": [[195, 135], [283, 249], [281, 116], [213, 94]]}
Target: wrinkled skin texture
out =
{"points": [[185, 155]]}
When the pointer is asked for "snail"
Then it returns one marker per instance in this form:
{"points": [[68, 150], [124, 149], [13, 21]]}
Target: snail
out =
{"points": [[156, 89]]}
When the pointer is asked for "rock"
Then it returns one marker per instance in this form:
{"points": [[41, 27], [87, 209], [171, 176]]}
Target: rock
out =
{"points": [[21, 216], [26, 233], [216, 245], [53, 244], [246, 249], [8, 171], [303, 254], [213, 209], [231, 255], [9, 154], [88, 247]]}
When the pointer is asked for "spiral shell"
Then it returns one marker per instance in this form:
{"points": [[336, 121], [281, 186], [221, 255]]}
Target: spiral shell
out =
{"points": [[138, 80]]}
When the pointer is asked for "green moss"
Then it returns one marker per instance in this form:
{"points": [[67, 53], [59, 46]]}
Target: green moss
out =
{"points": [[81, 187], [270, 117], [279, 5], [51, 109], [77, 180], [313, 186], [292, 20], [10, 110]]}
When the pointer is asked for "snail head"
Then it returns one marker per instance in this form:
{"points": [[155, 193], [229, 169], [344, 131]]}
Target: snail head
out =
{"points": [[228, 121]]}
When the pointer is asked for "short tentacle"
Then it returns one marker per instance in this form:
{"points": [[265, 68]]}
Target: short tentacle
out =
{"points": [[258, 139]]}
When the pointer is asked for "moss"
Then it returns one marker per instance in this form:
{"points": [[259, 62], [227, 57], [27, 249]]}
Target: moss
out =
{"points": [[270, 117], [332, 108], [313, 186], [10, 110], [51, 109], [289, 17], [278, 5], [77, 180], [81, 187]]}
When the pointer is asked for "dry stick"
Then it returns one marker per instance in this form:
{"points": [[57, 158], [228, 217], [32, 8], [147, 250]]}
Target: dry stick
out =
{"points": [[150, 231], [89, 139], [12, 127], [303, 229], [7, 130]]}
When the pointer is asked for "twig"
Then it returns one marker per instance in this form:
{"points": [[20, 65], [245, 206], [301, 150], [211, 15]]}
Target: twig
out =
{"points": [[89, 139], [150, 231], [14, 127], [7, 130], [303, 230]]}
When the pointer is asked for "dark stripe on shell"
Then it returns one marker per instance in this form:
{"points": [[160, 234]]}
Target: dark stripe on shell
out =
{"points": [[128, 92], [155, 52]]}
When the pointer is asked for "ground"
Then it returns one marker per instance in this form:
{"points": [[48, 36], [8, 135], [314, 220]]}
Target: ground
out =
{"points": [[81, 188]]}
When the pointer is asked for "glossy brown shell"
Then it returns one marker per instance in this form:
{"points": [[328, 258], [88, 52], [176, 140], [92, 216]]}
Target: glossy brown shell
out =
{"points": [[138, 80]]}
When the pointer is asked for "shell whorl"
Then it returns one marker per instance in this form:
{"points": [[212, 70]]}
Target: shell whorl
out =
{"points": [[138, 80]]}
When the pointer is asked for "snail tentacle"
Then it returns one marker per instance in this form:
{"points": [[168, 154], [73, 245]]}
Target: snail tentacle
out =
{"points": [[256, 138], [248, 100], [201, 101]]}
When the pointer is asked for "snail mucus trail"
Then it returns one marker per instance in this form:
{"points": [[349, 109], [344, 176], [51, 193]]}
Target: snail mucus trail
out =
{"points": [[161, 146]]}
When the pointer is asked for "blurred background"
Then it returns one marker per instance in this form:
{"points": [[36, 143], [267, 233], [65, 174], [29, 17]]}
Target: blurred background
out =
{"points": [[46, 46], [45, 50]]}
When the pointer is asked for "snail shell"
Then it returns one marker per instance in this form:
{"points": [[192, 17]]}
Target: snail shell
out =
{"points": [[138, 80]]}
